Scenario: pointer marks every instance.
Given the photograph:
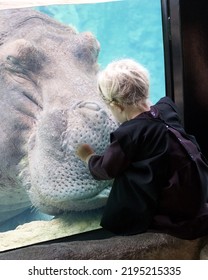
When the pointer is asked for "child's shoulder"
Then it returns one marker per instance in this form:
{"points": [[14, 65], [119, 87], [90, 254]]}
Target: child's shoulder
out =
{"points": [[141, 123], [166, 102]]}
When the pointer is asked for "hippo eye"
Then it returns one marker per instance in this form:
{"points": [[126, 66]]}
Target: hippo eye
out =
{"points": [[15, 65], [11, 58], [32, 59], [26, 60]]}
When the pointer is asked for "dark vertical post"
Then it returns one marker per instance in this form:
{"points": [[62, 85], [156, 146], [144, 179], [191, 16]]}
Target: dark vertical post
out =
{"points": [[194, 32], [173, 52], [185, 28]]}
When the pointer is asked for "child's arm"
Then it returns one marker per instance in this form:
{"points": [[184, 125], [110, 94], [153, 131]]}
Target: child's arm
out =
{"points": [[106, 166]]}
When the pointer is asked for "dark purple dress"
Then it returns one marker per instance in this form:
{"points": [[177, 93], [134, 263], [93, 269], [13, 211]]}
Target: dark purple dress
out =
{"points": [[160, 177]]}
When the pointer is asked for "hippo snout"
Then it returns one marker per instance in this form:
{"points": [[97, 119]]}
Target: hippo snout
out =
{"points": [[59, 179]]}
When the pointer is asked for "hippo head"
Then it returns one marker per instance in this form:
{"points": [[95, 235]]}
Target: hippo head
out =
{"points": [[49, 103]]}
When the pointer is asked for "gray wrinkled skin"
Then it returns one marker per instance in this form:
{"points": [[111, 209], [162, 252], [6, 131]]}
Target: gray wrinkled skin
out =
{"points": [[48, 104]]}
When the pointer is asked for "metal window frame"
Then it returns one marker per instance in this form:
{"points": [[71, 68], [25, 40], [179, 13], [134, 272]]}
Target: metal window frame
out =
{"points": [[173, 52]]}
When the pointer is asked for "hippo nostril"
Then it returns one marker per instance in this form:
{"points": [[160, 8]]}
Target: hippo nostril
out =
{"points": [[87, 104]]}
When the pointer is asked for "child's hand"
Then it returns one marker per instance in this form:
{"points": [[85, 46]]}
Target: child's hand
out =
{"points": [[84, 151]]}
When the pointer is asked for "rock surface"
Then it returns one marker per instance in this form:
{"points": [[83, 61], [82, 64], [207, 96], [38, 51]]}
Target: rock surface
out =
{"points": [[40, 231], [99, 246]]}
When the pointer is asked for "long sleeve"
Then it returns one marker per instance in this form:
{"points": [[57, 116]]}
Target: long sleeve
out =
{"points": [[110, 164]]}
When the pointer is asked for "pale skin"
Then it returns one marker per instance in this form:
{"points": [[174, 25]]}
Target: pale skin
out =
{"points": [[121, 113]]}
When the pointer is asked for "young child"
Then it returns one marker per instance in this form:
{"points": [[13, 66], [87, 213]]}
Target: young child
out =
{"points": [[160, 176]]}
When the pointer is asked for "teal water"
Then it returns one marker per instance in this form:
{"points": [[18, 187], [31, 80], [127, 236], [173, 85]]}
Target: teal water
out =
{"points": [[128, 28]]}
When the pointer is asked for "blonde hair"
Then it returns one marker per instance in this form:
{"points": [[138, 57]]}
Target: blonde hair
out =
{"points": [[125, 82]]}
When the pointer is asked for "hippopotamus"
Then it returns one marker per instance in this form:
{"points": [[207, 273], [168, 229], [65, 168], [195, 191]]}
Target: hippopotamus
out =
{"points": [[49, 103]]}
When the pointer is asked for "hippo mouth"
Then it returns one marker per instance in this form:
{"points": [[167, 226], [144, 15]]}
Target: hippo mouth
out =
{"points": [[60, 207]]}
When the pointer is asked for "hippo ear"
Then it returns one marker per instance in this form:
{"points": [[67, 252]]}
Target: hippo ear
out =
{"points": [[87, 48], [22, 56]]}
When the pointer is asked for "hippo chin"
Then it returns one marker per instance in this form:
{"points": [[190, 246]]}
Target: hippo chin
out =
{"points": [[49, 103]]}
